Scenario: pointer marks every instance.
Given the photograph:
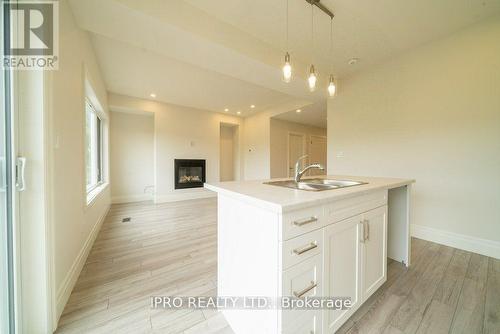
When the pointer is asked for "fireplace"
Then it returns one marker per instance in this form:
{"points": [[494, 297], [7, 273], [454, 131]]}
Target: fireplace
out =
{"points": [[189, 173]]}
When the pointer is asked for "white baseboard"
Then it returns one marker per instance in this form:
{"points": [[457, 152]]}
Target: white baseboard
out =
{"points": [[183, 195], [472, 244], [69, 282], [131, 198]]}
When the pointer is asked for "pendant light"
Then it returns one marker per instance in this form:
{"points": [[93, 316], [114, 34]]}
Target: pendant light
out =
{"points": [[312, 79], [287, 67], [331, 86], [312, 73]]}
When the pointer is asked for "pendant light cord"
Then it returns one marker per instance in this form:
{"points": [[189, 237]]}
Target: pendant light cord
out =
{"points": [[312, 33], [287, 25], [331, 43]]}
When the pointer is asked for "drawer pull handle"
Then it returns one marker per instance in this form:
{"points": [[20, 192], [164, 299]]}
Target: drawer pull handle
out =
{"points": [[305, 249], [306, 221], [306, 290]]}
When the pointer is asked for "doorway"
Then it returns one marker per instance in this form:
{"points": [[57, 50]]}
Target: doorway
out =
{"points": [[228, 153], [317, 153], [296, 149], [295, 133]]}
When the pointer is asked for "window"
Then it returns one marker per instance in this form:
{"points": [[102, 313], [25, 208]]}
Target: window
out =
{"points": [[93, 147]]}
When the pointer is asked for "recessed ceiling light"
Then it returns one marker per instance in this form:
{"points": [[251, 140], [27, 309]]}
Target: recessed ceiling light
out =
{"points": [[252, 106], [153, 95], [298, 110], [238, 112], [226, 110], [353, 61]]}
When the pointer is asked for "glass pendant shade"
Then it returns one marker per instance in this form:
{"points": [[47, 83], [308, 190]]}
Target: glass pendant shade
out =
{"points": [[287, 69], [312, 79], [331, 87]]}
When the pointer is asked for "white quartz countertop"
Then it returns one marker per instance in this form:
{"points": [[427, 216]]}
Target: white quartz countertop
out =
{"points": [[281, 199]]}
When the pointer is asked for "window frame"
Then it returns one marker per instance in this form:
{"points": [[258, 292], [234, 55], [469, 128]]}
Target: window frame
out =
{"points": [[99, 124]]}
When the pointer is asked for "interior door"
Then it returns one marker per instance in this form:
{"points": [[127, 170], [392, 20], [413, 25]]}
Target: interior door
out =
{"points": [[342, 267], [317, 153], [374, 250], [226, 153], [295, 151]]}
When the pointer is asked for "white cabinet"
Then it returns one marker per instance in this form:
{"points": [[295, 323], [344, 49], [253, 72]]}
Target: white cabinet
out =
{"points": [[354, 261], [374, 270], [332, 249], [342, 263]]}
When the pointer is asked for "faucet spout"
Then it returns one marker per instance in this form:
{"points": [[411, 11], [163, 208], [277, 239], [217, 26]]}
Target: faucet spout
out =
{"points": [[299, 173]]}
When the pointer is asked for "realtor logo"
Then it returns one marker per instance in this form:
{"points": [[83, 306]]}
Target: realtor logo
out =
{"points": [[31, 34]]}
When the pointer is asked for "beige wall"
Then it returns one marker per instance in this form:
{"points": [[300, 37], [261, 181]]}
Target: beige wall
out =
{"points": [[433, 115], [279, 143], [256, 155], [180, 133], [132, 156], [74, 221]]}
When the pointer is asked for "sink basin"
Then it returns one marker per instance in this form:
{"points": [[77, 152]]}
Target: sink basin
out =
{"points": [[315, 184]]}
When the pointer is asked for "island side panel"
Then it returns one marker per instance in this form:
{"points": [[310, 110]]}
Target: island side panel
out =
{"points": [[248, 261], [399, 241]]}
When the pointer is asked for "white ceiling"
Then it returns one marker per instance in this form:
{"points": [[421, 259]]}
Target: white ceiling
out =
{"points": [[365, 29], [176, 82], [314, 114], [216, 54]]}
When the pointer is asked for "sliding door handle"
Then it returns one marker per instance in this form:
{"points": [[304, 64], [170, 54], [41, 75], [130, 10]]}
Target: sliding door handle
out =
{"points": [[20, 169]]}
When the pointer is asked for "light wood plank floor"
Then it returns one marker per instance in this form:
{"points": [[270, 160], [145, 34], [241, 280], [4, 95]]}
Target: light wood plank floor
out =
{"points": [[170, 249]]}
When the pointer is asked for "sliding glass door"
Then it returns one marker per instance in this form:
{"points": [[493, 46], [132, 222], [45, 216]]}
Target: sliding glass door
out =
{"points": [[6, 240], [7, 192]]}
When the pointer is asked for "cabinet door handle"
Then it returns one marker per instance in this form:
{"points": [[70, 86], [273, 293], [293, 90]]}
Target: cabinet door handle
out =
{"points": [[305, 249], [362, 237], [306, 221], [367, 222], [306, 290]]}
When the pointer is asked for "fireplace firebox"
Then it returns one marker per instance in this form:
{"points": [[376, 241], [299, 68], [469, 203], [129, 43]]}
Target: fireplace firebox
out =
{"points": [[189, 173]]}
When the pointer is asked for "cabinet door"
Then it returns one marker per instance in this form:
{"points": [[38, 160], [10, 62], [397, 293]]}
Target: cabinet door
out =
{"points": [[374, 250], [342, 267]]}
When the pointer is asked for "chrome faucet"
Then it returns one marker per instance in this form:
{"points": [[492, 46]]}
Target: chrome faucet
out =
{"points": [[299, 173]]}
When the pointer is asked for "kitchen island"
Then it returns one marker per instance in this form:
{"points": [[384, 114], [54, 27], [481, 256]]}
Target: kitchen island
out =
{"points": [[275, 241]]}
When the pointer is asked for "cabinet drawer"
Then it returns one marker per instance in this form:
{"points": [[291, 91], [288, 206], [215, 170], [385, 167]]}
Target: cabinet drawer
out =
{"points": [[302, 221], [301, 280], [302, 247], [351, 207], [305, 323]]}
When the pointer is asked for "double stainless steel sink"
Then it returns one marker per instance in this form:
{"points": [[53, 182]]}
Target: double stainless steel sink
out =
{"points": [[315, 184]]}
